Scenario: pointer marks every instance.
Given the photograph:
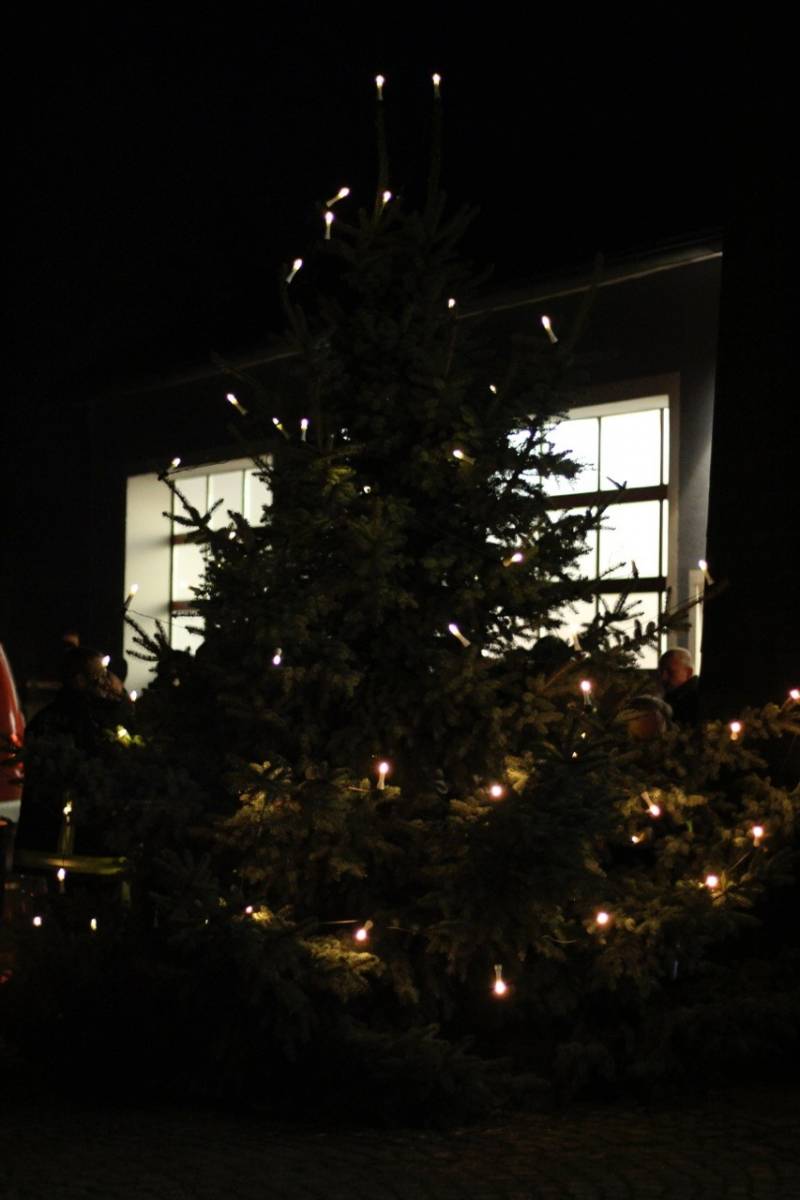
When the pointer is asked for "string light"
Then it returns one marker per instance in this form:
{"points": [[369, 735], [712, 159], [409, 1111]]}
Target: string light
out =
{"points": [[497, 791], [493, 389], [383, 770], [379, 82], [303, 428], [636, 838], [296, 265], [385, 198], [67, 809], [61, 876], [242, 411], [516, 557], [37, 921], [105, 660], [340, 195], [249, 910], [328, 219], [711, 881], [757, 833], [93, 924], [736, 728], [132, 590], [794, 694], [134, 695], [456, 632], [176, 462], [548, 328], [586, 688], [703, 565], [277, 657], [437, 80], [602, 918], [362, 933], [499, 987], [654, 810], [451, 303]]}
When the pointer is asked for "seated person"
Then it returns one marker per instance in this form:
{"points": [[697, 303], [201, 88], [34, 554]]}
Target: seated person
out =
{"points": [[681, 686]]}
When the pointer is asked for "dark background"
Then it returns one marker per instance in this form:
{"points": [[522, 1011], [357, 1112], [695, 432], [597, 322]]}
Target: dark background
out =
{"points": [[165, 164]]}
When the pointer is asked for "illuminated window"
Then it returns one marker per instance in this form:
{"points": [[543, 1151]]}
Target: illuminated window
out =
{"points": [[623, 452]]}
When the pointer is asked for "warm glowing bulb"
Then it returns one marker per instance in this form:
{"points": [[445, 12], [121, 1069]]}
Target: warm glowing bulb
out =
{"points": [[586, 686], [758, 832], [134, 695], [362, 933], [437, 80], [711, 881], [67, 809], [93, 924], [249, 910], [277, 657], [496, 791], [499, 987], [328, 219], [548, 328], [176, 462], [451, 303], [654, 810], [493, 389], [379, 82], [133, 589], [383, 770], [456, 632], [240, 408], [37, 921], [635, 838], [105, 660], [703, 565], [794, 694], [61, 874], [736, 728], [303, 428], [386, 196], [296, 265], [517, 556], [602, 918], [459, 454], [340, 195]]}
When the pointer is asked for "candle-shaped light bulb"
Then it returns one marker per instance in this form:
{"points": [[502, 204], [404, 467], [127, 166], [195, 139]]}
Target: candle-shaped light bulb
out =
{"points": [[133, 589], [711, 881], [176, 462], [37, 922], [277, 657], [586, 689], [602, 918], [654, 810], [67, 809], [93, 924], [497, 791], [548, 328], [379, 82], [459, 454], [735, 728], [296, 265], [794, 694], [249, 910], [362, 933], [61, 876], [340, 195], [303, 428], [328, 219], [451, 303], [437, 84], [635, 838], [493, 389], [456, 632], [757, 833], [240, 408], [105, 660], [499, 987], [385, 198], [383, 770], [134, 695], [517, 557], [703, 565]]}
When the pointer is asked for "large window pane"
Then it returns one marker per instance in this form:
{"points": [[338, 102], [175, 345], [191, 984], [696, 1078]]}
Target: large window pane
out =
{"points": [[630, 449], [256, 496], [188, 566], [577, 439], [227, 487], [645, 606], [630, 533]]}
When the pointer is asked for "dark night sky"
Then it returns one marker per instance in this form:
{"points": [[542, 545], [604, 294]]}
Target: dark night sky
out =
{"points": [[167, 161]]}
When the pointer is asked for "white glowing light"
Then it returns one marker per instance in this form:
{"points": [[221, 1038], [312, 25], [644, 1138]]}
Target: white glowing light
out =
{"points": [[493, 389], [240, 408], [303, 428], [328, 219], [340, 195], [497, 791], [602, 918], [93, 924], [654, 810], [437, 82], [499, 987], [451, 303], [459, 454], [362, 933], [176, 462], [37, 921], [516, 557], [276, 421], [757, 833], [794, 694], [61, 874], [736, 728], [635, 838], [134, 695], [711, 881], [383, 770], [456, 632], [379, 82], [105, 660], [548, 328], [385, 197], [133, 589], [296, 265], [249, 910], [67, 809], [703, 565], [586, 686], [277, 657]]}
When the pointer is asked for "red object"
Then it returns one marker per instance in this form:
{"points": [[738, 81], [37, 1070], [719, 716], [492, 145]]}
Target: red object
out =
{"points": [[12, 729]]}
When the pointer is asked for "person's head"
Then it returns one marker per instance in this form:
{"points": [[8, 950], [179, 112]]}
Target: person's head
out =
{"points": [[675, 668], [646, 717], [83, 670]]}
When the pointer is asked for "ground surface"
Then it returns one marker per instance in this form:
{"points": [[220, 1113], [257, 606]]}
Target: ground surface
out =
{"points": [[730, 1146]]}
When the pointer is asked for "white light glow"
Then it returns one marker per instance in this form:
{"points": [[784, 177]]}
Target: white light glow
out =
{"points": [[383, 770], [451, 303], [437, 82], [105, 660], [497, 791], [277, 657], [548, 328], [499, 987], [240, 408], [654, 810], [37, 921], [296, 265], [176, 462], [380, 80], [386, 197], [602, 918], [456, 632], [711, 881], [340, 195], [328, 219], [93, 924]]}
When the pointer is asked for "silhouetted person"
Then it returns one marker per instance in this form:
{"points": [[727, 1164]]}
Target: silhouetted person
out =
{"points": [[681, 685]]}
